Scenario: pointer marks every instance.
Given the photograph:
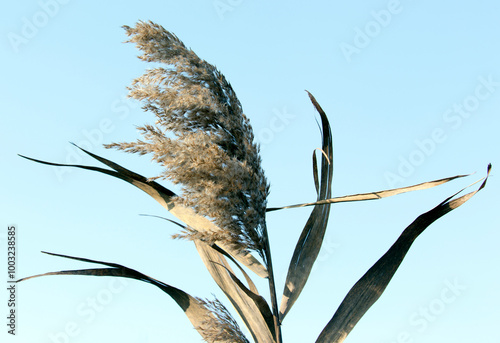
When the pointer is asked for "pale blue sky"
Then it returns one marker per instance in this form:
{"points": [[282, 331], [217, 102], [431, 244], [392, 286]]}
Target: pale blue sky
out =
{"points": [[412, 91]]}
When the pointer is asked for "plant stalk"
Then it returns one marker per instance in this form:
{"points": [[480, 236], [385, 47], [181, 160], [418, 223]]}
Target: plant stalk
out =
{"points": [[272, 287]]}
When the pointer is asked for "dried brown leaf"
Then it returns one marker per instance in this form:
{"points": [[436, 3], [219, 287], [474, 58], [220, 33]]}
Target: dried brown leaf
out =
{"points": [[203, 318], [371, 286], [246, 307], [372, 195], [165, 197], [311, 238]]}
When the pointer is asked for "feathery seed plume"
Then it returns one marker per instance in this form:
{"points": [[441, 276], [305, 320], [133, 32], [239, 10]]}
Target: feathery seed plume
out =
{"points": [[201, 137], [221, 326]]}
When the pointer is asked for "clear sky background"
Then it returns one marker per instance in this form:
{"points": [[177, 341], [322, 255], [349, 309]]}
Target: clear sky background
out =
{"points": [[412, 91]]}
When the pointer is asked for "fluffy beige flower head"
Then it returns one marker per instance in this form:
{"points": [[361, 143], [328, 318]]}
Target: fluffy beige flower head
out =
{"points": [[201, 137]]}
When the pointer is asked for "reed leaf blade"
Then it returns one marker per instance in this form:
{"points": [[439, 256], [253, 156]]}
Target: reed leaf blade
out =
{"points": [[372, 195], [199, 314], [246, 307], [371, 285], [311, 238], [164, 196]]}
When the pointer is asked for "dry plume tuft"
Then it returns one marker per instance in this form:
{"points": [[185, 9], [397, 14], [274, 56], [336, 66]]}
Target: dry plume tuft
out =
{"points": [[201, 137], [221, 326]]}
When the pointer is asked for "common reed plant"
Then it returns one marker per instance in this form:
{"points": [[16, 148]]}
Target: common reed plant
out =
{"points": [[205, 144]]}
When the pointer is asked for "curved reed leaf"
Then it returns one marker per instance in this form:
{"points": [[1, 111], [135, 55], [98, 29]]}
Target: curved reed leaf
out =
{"points": [[311, 238], [250, 313], [251, 285], [371, 286], [315, 173], [372, 195], [203, 317], [259, 300], [164, 197]]}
